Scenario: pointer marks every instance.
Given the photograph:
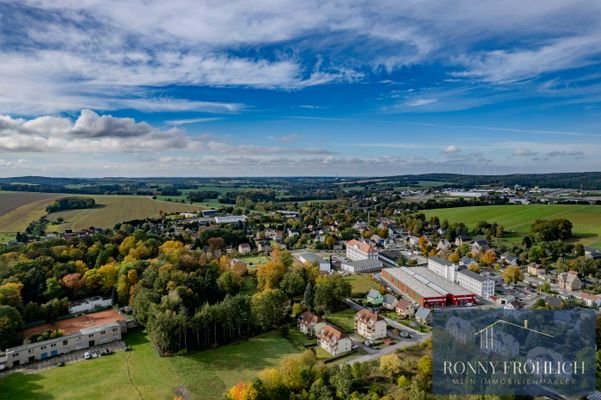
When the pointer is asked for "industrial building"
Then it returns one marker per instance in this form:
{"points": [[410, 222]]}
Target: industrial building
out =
{"points": [[426, 288]]}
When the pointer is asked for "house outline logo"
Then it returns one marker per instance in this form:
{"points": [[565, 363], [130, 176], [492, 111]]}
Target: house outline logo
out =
{"points": [[486, 334]]}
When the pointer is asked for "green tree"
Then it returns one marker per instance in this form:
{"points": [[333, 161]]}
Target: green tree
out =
{"points": [[11, 324], [269, 308]]}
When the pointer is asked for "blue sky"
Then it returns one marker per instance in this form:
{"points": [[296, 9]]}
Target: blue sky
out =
{"points": [[210, 88]]}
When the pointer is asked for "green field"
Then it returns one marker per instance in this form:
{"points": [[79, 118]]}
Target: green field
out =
{"points": [[254, 261], [142, 374], [344, 319], [113, 209], [516, 219], [18, 209], [361, 283]]}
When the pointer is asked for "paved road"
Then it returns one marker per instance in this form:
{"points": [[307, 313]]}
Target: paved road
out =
{"points": [[391, 349]]}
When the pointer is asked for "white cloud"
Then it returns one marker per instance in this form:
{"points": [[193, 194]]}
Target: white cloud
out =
{"points": [[420, 102], [452, 149]]}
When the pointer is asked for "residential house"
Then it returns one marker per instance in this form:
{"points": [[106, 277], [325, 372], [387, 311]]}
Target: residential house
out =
{"points": [[479, 245], [332, 340], [592, 253], [405, 308], [374, 298], [467, 261], [307, 322], [413, 241], [461, 239], [512, 305], [444, 245], [509, 259], [423, 315], [535, 269], [264, 246], [244, 248], [569, 281], [591, 300], [370, 325], [389, 302], [358, 250]]}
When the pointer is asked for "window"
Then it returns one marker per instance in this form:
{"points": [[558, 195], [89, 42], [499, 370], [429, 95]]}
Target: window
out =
{"points": [[91, 335], [65, 342], [102, 332]]}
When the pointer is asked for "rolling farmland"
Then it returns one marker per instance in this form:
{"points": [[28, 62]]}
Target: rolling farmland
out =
{"points": [[18, 209], [113, 209], [516, 219]]}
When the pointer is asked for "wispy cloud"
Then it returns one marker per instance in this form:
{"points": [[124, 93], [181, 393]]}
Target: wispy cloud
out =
{"points": [[190, 121]]}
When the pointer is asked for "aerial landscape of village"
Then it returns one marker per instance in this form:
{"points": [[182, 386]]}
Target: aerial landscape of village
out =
{"points": [[300, 200]]}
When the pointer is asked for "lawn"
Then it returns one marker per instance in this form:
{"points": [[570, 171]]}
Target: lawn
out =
{"points": [[361, 283], [254, 261], [113, 209], [344, 319], [516, 219], [205, 375], [18, 209]]}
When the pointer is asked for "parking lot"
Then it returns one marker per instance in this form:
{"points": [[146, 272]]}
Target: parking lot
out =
{"points": [[72, 357]]}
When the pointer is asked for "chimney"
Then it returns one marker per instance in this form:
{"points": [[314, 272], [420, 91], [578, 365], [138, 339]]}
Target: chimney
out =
{"points": [[525, 324]]}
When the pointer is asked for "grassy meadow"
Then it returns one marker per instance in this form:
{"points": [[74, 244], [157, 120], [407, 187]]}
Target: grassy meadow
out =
{"points": [[142, 374], [18, 209], [516, 219], [110, 210], [361, 283]]}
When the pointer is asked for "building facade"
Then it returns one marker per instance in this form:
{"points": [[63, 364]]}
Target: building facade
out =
{"points": [[370, 325], [85, 338], [333, 341], [358, 250], [476, 283]]}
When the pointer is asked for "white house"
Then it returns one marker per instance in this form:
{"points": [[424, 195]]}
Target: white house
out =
{"points": [[357, 250], [332, 340], [244, 248], [370, 325]]}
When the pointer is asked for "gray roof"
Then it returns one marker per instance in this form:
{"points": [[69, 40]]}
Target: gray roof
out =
{"points": [[363, 263], [373, 293], [407, 276], [441, 260], [472, 275], [389, 299], [422, 313], [440, 282], [312, 257]]}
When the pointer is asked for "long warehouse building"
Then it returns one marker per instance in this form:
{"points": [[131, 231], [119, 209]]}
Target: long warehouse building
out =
{"points": [[426, 288]]}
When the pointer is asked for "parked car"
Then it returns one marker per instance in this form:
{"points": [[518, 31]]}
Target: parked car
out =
{"points": [[405, 334], [87, 355], [369, 343], [355, 347], [61, 364]]}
